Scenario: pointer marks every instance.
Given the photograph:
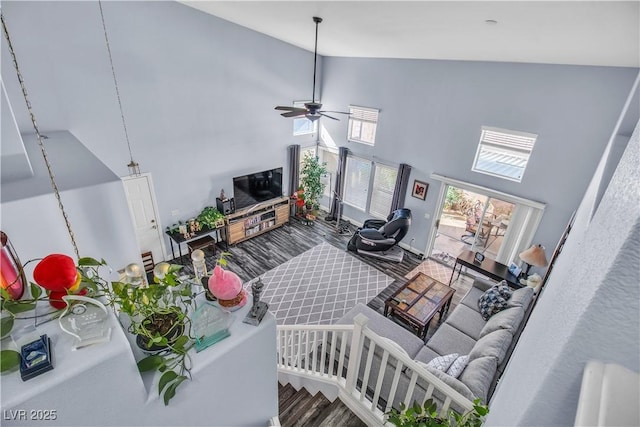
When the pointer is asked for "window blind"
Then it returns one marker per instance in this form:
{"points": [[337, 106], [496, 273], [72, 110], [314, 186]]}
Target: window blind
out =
{"points": [[503, 153], [363, 123], [358, 174], [384, 182]]}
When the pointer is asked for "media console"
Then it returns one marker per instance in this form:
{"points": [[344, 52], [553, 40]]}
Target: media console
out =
{"points": [[258, 219]]}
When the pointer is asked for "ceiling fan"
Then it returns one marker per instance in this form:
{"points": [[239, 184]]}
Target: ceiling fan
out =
{"points": [[312, 110]]}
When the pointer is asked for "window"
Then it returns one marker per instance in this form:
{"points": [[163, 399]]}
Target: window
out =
{"points": [[356, 186], [503, 153], [331, 160], [384, 183], [362, 124], [369, 186], [303, 126]]}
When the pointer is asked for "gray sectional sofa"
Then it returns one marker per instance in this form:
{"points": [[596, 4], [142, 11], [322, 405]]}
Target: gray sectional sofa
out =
{"points": [[464, 332]]}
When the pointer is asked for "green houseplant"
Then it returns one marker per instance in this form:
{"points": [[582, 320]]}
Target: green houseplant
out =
{"points": [[311, 179], [427, 416], [158, 316], [210, 217]]}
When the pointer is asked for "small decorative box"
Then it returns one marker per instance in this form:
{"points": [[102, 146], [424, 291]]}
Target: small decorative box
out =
{"points": [[35, 358]]}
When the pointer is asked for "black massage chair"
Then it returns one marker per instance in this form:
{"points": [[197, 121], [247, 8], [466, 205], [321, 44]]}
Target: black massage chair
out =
{"points": [[378, 235]]}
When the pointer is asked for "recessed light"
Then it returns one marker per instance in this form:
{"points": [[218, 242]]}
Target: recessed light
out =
{"points": [[491, 21]]}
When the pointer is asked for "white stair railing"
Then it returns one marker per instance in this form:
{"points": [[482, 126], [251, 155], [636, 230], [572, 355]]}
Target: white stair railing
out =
{"points": [[319, 352]]}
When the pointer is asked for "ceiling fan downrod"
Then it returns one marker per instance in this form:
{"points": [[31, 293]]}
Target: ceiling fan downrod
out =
{"points": [[317, 20]]}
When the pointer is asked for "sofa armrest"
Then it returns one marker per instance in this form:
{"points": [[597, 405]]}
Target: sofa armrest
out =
{"points": [[482, 284]]}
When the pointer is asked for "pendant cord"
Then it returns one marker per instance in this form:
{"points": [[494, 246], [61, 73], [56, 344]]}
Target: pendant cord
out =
{"points": [[115, 81], [39, 136]]}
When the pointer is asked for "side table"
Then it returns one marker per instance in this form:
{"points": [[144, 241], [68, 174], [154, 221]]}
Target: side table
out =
{"points": [[488, 267], [220, 235]]}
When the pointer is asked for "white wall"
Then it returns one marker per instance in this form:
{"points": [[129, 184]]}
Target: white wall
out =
{"points": [[198, 92], [431, 113], [91, 194], [588, 309]]}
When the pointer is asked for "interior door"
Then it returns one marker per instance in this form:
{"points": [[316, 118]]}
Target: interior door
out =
{"points": [[142, 206]]}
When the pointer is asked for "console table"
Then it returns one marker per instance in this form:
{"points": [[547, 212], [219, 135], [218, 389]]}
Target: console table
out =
{"points": [[488, 267], [178, 238]]}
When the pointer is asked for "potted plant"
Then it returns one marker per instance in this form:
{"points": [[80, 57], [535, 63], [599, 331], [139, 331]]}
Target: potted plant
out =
{"points": [[312, 172], [158, 315], [211, 217], [427, 416]]}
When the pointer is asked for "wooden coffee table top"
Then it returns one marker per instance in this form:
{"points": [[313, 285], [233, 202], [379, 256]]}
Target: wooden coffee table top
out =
{"points": [[419, 299]]}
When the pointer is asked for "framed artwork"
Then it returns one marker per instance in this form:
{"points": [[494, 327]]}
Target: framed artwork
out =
{"points": [[478, 257], [420, 189]]}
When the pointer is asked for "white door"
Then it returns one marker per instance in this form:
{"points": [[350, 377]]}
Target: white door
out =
{"points": [[142, 206]]}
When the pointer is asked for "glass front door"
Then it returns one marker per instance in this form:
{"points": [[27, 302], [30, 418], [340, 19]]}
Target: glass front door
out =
{"points": [[470, 220]]}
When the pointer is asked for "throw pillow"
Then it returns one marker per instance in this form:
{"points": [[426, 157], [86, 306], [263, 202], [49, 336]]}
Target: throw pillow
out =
{"points": [[458, 366], [494, 300], [442, 363]]}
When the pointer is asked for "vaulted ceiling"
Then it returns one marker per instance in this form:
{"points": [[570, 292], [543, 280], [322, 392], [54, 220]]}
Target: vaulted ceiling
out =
{"points": [[603, 33]]}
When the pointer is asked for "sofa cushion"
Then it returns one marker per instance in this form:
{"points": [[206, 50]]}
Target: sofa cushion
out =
{"points": [[478, 375], [455, 384], [442, 363], [521, 297], [494, 300], [493, 345], [471, 298], [425, 355], [458, 366], [385, 328], [448, 339], [508, 319], [467, 320]]}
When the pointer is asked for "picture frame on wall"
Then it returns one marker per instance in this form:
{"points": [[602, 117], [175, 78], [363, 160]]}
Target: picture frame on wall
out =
{"points": [[419, 189]]}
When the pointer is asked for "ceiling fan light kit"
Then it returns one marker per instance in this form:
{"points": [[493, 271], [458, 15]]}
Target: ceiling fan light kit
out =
{"points": [[312, 110]]}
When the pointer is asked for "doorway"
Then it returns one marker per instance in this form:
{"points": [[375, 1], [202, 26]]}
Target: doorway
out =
{"points": [[470, 220], [143, 209], [470, 217]]}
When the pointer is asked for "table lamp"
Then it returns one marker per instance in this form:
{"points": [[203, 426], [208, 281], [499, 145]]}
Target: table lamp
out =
{"points": [[533, 256]]}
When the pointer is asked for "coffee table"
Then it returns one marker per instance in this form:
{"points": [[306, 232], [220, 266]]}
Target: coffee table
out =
{"points": [[418, 301]]}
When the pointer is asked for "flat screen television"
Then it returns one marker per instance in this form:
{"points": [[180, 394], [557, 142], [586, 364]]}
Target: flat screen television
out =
{"points": [[255, 188]]}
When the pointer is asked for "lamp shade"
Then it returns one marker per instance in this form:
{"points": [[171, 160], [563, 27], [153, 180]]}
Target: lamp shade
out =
{"points": [[534, 256]]}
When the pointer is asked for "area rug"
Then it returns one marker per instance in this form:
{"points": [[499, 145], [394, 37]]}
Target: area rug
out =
{"points": [[434, 269], [319, 286]]}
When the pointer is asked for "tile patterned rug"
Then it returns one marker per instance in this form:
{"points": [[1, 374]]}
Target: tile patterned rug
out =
{"points": [[434, 269], [319, 286]]}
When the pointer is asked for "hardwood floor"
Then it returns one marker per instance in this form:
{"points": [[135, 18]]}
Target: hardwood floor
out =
{"points": [[260, 254], [299, 408]]}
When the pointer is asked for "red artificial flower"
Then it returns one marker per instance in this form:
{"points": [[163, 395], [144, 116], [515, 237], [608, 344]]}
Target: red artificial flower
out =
{"points": [[57, 273]]}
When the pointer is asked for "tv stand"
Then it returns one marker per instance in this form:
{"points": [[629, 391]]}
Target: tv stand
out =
{"points": [[257, 219]]}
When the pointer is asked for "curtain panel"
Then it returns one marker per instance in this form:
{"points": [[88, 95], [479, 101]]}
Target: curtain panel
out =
{"points": [[338, 189], [294, 168], [402, 183]]}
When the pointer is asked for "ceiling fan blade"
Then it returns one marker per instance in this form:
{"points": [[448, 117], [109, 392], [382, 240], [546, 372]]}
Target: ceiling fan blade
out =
{"points": [[337, 112], [326, 115], [286, 108], [299, 112]]}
